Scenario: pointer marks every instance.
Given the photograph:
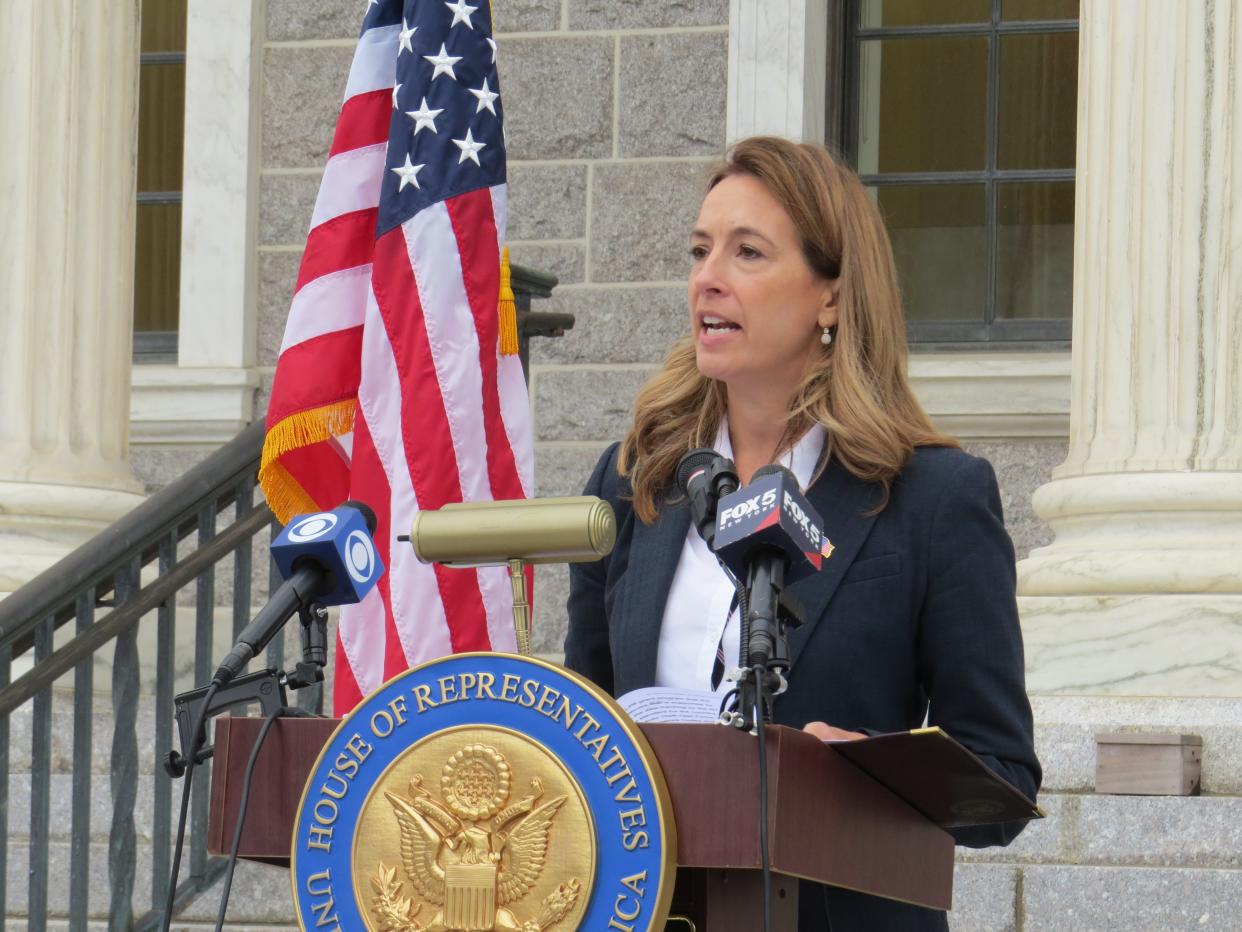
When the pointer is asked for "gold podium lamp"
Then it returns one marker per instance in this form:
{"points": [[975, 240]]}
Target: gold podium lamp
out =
{"points": [[516, 533]]}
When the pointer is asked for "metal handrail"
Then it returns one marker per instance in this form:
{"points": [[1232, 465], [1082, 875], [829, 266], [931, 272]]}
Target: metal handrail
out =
{"points": [[97, 562], [112, 563], [130, 613], [215, 501]]}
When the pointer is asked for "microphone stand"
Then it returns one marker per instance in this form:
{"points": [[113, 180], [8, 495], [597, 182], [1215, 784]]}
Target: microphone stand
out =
{"points": [[765, 649], [265, 687], [764, 645]]}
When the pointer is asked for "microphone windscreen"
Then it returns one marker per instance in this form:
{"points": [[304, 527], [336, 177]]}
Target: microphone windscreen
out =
{"points": [[368, 515], [771, 512], [691, 463], [340, 544], [774, 469]]}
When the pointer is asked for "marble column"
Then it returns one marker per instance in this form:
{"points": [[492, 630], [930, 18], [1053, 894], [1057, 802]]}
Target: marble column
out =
{"points": [[69, 108], [777, 69], [1141, 591]]}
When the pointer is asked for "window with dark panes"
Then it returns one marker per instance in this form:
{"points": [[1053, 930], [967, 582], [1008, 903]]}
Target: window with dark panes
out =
{"points": [[960, 116], [161, 130]]}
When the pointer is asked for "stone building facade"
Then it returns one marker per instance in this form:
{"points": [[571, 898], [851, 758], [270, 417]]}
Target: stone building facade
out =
{"points": [[615, 109], [614, 113]]}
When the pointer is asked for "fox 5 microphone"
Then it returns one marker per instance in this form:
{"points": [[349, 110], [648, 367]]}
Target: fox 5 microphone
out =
{"points": [[705, 477], [769, 535], [327, 558]]}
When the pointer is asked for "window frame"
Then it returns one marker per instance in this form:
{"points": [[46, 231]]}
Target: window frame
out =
{"points": [[157, 346], [843, 121]]}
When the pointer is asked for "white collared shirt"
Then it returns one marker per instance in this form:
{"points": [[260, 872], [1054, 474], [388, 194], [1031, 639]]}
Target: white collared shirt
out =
{"points": [[697, 610]]}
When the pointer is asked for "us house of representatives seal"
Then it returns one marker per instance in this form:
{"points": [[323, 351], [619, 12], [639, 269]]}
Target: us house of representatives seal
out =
{"points": [[485, 792]]}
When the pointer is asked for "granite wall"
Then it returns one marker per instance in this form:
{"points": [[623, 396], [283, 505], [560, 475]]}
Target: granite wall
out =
{"points": [[615, 108], [614, 112]]}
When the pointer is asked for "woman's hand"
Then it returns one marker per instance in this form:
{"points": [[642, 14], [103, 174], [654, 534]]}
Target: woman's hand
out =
{"points": [[826, 732]]}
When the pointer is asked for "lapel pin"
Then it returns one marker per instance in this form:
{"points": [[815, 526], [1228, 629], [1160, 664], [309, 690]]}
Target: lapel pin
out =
{"points": [[826, 548]]}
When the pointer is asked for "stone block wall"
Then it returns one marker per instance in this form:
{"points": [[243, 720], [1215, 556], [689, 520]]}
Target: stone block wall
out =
{"points": [[615, 110], [1103, 862]]}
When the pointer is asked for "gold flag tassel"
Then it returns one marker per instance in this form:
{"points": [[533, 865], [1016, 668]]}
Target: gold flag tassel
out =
{"points": [[284, 494], [507, 309]]}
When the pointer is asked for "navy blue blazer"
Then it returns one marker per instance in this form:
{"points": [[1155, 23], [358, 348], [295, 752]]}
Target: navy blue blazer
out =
{"points": [[914, 614]]}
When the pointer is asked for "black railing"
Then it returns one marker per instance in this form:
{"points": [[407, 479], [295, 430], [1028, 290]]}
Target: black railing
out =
{"points": [[144, 563], [213, 502]]}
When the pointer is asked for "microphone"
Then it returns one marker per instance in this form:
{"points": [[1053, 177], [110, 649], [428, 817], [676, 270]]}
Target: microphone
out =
{"points": [[705, 477], [771, 536], [771, 512], [574, 529], [328, 558]]}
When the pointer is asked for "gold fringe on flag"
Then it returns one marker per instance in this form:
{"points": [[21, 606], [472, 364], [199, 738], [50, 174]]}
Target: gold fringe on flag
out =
{"points": [[507, 309], [284, 494]]}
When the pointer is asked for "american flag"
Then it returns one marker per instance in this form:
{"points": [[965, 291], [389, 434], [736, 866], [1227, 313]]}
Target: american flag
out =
{"points": [[390, 387]]}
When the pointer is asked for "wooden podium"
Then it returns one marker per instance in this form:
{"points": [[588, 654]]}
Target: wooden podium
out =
{"points": [[828, 820]]}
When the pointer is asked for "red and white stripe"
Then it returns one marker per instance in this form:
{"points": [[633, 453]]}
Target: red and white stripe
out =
{"points": [[407, 324]]}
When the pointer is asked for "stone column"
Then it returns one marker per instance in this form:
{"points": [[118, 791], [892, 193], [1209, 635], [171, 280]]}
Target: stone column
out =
{"points": [[1141, 592], [777, 68], [69, 69]]}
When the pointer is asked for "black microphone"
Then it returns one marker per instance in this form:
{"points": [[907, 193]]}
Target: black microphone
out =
{"points": [[705, 477], [769, 535], [367, 512], [327, 558]]}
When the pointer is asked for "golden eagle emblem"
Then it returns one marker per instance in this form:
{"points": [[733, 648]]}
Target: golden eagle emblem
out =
{"points": [[472, 855]]}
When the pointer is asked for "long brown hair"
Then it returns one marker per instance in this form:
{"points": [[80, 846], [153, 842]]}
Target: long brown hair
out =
{"points": [[857, 389]]}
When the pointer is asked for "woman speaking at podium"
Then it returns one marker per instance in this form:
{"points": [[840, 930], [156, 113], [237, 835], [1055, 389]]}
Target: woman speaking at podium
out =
{"points": [[797, 355]]}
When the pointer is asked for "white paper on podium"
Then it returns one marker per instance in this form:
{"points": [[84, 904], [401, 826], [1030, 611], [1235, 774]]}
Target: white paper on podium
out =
{"points": [[668, 705]]}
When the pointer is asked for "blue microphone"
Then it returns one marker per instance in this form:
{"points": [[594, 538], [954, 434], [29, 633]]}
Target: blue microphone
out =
{"points": [[337, 541], [327, 558]]}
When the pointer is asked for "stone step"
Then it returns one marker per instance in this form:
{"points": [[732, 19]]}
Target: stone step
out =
{"points": [[1067, 898], [261, 894], [21, 924], [987, 898], [60, 816], [1130, 899], [1156, 831], [1174, 831], [103, 724], [1066, 726]]}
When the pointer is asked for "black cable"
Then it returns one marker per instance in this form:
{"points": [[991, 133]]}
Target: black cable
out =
{"points": [[176, 865], [197, 739], [241, 814], [760, 675], [743, 626]]}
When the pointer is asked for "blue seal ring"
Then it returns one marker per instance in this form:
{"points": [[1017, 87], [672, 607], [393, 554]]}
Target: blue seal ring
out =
{"points": [[635, 859]]}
